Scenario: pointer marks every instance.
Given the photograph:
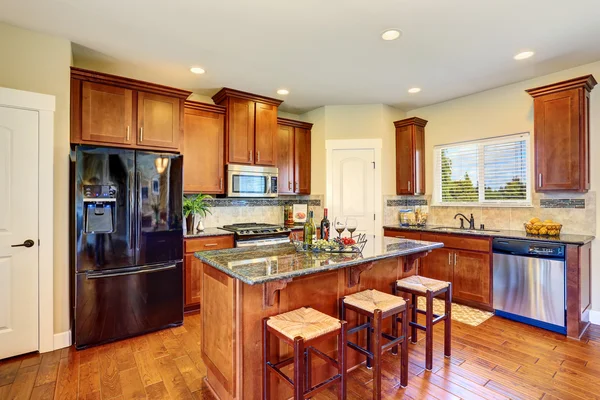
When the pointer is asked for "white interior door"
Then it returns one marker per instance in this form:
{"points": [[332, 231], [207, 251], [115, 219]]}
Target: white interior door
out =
{"points": [[353, 194], [18, 223]]}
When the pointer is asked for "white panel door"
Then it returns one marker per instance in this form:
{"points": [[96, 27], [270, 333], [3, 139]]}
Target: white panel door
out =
{"points": [[18, 223], [353, 194]]}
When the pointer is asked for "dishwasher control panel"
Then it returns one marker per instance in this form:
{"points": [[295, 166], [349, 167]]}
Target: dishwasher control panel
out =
{"points": [[558, 251]]}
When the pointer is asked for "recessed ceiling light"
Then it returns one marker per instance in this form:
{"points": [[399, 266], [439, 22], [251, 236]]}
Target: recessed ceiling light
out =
{"points": [[283, 91], [391, 34], [414, 90], [523, 55], [197, 70]]}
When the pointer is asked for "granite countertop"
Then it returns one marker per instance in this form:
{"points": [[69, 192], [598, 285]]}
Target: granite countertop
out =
{"points": [[506, 234], [208, 232], [255, 265]]}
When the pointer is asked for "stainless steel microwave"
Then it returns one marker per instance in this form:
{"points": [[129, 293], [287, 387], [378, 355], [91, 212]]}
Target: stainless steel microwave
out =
{"points": [[251, 181]]}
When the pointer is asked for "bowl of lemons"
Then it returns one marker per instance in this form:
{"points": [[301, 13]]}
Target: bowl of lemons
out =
{"points": [[536, 226]]}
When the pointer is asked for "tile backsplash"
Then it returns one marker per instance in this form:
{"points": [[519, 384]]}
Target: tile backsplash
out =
{"points": [[270, 211], [576, 212]]}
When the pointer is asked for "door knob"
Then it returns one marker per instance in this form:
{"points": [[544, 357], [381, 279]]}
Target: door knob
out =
{"points": [[27, 243]]}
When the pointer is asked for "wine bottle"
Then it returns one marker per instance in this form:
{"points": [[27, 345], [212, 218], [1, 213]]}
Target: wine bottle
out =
{"points": [[325, 226], [310, 230]]}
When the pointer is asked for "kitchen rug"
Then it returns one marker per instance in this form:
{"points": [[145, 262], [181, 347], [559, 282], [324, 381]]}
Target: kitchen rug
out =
{"points": [[461, 313]]}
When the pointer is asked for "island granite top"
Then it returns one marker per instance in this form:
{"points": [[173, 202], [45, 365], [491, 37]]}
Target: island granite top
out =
{"points": [[256, 265], [505, 234]]}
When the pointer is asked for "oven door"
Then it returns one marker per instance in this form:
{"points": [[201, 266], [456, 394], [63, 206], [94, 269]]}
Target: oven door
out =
{"points": [[251, 182]]}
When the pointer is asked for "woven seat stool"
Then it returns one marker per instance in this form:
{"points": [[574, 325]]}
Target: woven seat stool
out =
{"points": [[377, 306], [301, 329], [417, 285]]}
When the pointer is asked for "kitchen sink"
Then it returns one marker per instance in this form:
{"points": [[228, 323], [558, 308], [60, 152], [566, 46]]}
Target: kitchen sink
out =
{"points": [[454, 229]]}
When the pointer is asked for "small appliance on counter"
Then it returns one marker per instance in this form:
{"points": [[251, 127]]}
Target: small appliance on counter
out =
{"points": [[127, 243]]}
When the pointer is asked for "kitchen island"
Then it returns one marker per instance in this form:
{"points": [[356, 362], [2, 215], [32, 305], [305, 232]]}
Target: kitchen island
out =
{"points": [[244, 285]]}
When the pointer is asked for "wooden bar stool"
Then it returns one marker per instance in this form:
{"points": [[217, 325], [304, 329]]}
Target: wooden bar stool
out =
{"points": [[377, 306], [301, 329], [429, 288]]}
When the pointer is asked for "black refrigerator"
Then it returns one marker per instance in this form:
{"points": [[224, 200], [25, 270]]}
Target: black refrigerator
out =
{"points": [[127, 243]]}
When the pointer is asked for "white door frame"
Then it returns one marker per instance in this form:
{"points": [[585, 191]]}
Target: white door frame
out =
{"points": [[356, 144], [45, 105]]}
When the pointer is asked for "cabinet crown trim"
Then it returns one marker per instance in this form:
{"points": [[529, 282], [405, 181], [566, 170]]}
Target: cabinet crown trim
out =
{"points": [[227, 92], [294, 123], [195, 105], [587, 81], [410, 121], [128, 83]]}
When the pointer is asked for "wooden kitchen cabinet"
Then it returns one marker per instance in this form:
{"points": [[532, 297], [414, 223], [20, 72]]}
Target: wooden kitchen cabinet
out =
{"points": [[109, 110], [266, 134], [562, 137], [438, 265], [193, 267], [410, 156], [106, 114], [203, 148], [293, 156], [158, 120], [471, 280], [250, 127], [464, 260]]}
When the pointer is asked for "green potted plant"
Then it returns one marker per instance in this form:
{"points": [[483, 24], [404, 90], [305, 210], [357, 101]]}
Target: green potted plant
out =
{"points": [[195, 204]]}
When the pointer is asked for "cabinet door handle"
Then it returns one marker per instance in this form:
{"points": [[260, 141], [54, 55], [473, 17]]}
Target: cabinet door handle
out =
{"points": [[449, 258], [455, 259], [290, 185], [540, 180], [141, 133], [258, 156], [409, 186], [221, 183], [296, 186], [250, 155], [128, 133]]}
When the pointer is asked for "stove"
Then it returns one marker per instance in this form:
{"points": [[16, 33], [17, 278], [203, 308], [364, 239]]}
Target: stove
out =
{"points": [[256, 234]]}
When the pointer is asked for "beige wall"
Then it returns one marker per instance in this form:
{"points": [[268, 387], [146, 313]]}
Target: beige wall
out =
{"points": [[506, 110], [40, 63], [369, 121]]}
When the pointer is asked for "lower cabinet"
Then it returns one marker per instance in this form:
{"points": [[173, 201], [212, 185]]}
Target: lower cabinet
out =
{"points": [[465, 261], [193, 267], [471, 279]]}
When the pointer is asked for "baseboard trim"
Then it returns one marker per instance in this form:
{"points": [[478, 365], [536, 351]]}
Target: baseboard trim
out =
{"points": [[62, 340], [595, 317]]}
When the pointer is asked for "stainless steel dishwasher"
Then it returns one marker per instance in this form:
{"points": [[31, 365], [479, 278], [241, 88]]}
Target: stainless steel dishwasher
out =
{"points": [[529, 282]]}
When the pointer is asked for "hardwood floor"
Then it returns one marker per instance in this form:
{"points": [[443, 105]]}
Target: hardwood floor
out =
{"points": [[499, 359]]}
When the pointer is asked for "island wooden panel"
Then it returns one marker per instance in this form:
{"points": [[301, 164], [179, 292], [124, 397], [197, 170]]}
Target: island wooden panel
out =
{"points": [[233, 313]]}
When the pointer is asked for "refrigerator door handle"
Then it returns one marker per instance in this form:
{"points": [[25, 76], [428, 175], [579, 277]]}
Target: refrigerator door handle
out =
{"points": [[99, 275], [138, 214], [132, 219]]}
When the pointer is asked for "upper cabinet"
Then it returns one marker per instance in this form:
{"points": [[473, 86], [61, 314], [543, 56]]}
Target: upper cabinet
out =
{"points": [[203, 148], [562, 137], [293, 156], [410, 156], [110, 110], [250, 127]]}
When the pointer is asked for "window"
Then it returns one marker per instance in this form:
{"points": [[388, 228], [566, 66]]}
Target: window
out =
{"points": [[483, 172]]}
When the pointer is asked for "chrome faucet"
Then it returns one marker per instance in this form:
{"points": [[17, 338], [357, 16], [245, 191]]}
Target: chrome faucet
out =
{"points": [[471, 221]]}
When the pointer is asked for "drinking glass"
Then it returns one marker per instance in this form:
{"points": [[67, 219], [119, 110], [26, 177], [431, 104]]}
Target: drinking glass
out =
{"points": [[340, 225], [351, 225]]}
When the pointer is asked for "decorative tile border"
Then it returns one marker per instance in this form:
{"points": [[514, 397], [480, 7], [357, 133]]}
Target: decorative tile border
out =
{"points": [[406, 202], [261, 202], [562, 203]]}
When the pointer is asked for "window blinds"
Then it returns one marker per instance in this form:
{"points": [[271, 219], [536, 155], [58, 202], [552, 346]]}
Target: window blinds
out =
{"points": [[483, 171]]}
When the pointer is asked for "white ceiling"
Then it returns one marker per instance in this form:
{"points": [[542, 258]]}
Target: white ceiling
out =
{"points": [[326, 51]]}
